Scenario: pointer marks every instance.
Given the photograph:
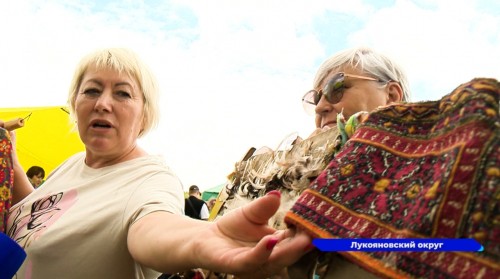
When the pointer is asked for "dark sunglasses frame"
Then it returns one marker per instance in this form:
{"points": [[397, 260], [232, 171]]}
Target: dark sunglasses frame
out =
{"points": [[333, 90]]}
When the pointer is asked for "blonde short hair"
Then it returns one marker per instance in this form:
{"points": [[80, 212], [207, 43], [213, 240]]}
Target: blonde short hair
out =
{"points": [[121, 60]]}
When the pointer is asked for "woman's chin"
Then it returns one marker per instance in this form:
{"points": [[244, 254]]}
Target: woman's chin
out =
{"points": [[98, 145]]}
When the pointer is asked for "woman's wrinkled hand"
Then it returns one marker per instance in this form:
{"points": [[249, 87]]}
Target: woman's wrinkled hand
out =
{"points": [[249, 247]]}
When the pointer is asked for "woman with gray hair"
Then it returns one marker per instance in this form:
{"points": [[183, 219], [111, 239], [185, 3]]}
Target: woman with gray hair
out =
{"points": [[352, 81], [407, 171]]}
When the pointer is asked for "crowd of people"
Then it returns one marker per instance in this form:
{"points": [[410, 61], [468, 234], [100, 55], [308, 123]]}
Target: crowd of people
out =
{"points": [[128, 207]]}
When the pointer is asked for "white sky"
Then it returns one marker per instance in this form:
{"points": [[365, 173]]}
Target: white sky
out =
{"points": [[232, 72]]}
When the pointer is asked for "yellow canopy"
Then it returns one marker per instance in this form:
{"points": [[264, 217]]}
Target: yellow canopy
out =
{"points": [[47, 138]]}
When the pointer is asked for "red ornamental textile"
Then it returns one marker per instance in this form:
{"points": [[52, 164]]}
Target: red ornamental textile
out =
{"points": [[6, 177], [416, 170]]}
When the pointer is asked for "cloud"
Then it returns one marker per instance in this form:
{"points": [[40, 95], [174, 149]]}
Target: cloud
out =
{"points": [[232, 73], [440, 44]]}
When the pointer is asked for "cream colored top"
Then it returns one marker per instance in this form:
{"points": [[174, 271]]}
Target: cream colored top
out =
{"points": [[76, 224]]}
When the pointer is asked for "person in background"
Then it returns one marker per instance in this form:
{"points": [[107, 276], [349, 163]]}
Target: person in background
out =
{"points": [[36, 175], [118, 210], [194, 206], [211, 203]]}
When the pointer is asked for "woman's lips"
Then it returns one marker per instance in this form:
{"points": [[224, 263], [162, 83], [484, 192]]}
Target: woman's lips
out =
{"points": [[329, 124]]}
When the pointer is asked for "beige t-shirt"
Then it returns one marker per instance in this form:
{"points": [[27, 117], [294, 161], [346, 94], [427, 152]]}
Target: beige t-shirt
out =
{"points": [[76, 224]]}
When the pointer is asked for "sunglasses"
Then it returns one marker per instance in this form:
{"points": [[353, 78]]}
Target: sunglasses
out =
{"points": [[333, 91]]}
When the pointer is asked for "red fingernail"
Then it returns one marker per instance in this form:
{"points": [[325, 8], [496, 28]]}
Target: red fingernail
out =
{"points": [[275, 192], [271, 243]]}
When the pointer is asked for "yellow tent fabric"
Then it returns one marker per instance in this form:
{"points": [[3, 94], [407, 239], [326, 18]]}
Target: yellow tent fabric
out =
{"points": [[47, 138]]}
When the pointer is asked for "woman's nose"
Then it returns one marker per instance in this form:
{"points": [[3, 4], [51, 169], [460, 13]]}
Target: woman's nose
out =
{"points": [[323, 106], [104, 102]]}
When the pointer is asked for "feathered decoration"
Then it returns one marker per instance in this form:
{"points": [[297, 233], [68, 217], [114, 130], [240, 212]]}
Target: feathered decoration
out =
{"points": [[289, 171]]}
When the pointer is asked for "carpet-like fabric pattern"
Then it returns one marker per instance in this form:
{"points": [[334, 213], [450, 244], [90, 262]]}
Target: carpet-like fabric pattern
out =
{"points": [[416, 170], [6, 177]]}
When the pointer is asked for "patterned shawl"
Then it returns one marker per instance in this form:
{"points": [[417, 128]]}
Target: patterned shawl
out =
{"points": [[6, 177], [416, 170]]}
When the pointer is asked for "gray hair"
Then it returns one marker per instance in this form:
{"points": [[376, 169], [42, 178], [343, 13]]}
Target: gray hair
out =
{"points": [[368, 61], [121, 60]]}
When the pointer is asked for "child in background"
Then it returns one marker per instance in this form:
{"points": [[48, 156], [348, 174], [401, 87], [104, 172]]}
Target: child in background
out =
{"points": [[36, 175]]}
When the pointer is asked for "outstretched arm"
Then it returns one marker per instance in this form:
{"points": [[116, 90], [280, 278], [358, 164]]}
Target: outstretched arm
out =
{"points": [[22, 186], [240, 242]]}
